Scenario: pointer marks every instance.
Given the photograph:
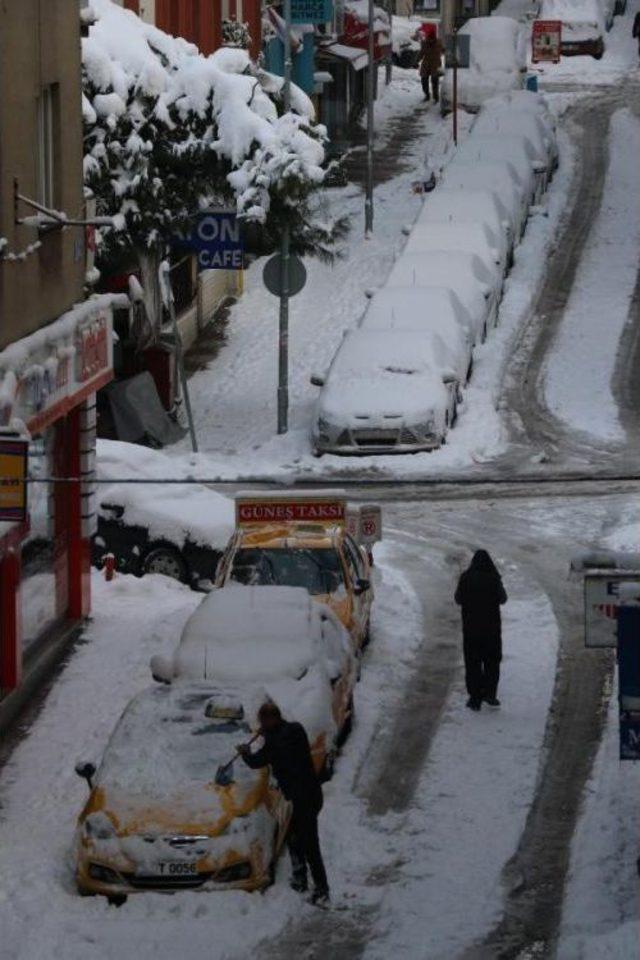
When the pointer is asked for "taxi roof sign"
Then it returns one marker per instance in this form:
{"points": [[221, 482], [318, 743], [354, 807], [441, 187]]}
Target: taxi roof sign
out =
{"points": [[311, 507]]}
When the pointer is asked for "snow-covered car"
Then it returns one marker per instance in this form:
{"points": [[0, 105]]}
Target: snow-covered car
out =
{"points": [[583, 25], [498, 62], [501, 177], [461, 272], [381, 395], [179, 531], [302, 541], [156, 819], [527, 101], [472, 237], [405, 41], [517, 150], [512, 121], [279, 640], [446, 205], [436, 313]]}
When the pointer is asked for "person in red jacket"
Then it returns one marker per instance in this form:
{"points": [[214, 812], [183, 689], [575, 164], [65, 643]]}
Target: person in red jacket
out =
{"points": [[431, 52]]}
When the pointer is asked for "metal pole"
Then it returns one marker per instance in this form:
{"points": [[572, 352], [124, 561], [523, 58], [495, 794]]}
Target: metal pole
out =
{"points": [[283, 336], [368, 203], [455, 87]]}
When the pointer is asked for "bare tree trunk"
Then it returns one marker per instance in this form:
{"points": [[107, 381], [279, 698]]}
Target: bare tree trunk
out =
{"points": [[149, 259]]}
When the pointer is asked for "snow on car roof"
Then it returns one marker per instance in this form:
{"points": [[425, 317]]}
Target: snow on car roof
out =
{"points": [[516, 148], [364, 354], [494, 43], [174, 511], [252, 633], [449, 202], [409, 306], [455, 236], [440, 268]]}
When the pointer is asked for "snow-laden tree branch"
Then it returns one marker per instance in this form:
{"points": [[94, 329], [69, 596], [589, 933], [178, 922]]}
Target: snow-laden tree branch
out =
{"points": [[169, 132]]}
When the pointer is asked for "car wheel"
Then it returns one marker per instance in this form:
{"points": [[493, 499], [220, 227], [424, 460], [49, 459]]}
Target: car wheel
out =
{"points": [[166, 560], [117, 899]]}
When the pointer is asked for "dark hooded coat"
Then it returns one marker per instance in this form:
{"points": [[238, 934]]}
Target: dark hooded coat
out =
{"points": [[480, 593]]}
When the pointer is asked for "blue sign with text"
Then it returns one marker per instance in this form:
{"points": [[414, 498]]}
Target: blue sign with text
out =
{"points": [[217, 242], [311, 11]]}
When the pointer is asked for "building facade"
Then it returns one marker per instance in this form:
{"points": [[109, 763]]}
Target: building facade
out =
{"points": [[55, 350]]}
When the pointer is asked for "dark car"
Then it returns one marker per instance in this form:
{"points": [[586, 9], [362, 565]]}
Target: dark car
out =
{"points": [[156, 547]]}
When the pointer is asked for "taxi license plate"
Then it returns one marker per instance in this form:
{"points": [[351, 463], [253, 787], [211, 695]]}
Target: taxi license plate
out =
{"points": [[177, 868]]}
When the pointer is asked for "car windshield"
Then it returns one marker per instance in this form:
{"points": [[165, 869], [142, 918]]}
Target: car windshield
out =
{"points": [[318, 571]]}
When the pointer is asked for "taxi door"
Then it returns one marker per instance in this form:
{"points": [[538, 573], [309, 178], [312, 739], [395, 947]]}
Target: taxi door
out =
{"points": [[360, 599]]}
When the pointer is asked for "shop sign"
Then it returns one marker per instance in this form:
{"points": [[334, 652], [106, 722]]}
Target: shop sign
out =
{"points": [[92, 348], [294, 510], [311, 11], [546, 40], [13, 479], [364, 523], [601, 602], [216, 241]]}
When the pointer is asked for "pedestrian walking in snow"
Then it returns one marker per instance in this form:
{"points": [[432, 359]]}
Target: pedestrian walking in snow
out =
{"points": [[636, 29], [431, 51], [480, 593], [286, 750]]}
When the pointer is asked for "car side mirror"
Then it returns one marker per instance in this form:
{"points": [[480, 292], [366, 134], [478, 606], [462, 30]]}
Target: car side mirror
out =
{"points": [[161, 669], [86, 770], [362, 586], [316, 380]]}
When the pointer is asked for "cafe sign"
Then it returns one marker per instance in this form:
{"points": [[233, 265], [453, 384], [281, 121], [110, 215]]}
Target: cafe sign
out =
{"points": [[13, 479]]}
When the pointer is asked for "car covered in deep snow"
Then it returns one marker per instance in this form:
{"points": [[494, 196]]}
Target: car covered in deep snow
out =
{"points": [[463, 273], [512, 121], [583, 25], [445, 205], [437, 314], [498, 62], [383, 395], [303, 541], [474, 238], [498, 176], [156, 819], [294, 650], [532, 168]]}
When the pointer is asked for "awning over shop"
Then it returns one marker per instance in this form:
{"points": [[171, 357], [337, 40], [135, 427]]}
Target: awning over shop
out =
{"points": [[356, 57]]}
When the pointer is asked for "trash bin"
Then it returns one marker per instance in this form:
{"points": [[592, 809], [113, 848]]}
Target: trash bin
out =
{"points": [[532, 82]]}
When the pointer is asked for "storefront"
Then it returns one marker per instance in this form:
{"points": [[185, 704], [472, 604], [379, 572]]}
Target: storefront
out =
{"points": [[48, 383]]}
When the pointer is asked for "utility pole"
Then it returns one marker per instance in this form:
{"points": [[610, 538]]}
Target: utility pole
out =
{"points": [[368, 203], [283, 337]]}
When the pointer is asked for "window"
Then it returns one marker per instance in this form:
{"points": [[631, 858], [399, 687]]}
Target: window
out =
{"points": [[354, 560], [319, 571], [47, 126]]}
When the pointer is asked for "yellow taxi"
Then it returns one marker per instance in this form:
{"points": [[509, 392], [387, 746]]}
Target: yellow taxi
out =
{"points": [[313, 541], [157, 819]]}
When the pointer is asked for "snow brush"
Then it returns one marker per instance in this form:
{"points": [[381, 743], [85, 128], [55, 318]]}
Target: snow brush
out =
{"points": [[224, 773]]}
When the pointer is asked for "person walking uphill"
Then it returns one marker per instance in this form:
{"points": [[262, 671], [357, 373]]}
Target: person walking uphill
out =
{"points": [[431, 51], [480, 593], [286, 750]]}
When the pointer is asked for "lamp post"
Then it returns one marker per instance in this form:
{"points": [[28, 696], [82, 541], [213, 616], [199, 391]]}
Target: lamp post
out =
{"points": [[368, 203], [283, 332]]}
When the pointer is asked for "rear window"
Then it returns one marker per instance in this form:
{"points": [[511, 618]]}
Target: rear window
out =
{"points": [[318, 571]]}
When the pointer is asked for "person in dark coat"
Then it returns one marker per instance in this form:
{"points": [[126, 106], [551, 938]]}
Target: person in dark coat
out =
{"points": [[636, 29], [480, 593], [431, 51], [286, 750]]}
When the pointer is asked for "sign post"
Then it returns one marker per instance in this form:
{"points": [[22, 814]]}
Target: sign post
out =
{"points": [[546, 41], [368, 202], [13, 479], [457, 54]]}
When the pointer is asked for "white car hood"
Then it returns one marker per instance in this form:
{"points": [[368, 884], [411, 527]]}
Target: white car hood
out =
{"points": [[386, 400]]}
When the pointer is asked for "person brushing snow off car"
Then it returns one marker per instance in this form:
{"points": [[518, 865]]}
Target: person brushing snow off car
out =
{"points": [[431, 51], [286, 750], [480, 593]]}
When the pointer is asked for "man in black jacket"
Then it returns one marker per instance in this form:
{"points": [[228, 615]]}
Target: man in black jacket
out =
{"points": [[480, 593], [286, 750]]}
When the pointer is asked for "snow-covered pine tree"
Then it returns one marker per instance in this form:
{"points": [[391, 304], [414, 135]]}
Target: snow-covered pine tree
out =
{"points": [[169, 132]]}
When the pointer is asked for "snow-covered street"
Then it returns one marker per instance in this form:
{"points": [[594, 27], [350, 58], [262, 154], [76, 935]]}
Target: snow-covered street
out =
{"points": [[448, 833]]}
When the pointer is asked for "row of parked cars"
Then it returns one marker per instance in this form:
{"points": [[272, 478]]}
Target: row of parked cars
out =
{"points": [[396, 380], [287, 622]]}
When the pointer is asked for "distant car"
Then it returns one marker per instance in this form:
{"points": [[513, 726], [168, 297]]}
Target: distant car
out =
{"points": [[470, 206], [583, 26], [178, 531], [473, 237], [156, 819], [435, 312], [284, 643], [500, 176], [405, 41], [461, 272], [497, 62], [382, 395]]}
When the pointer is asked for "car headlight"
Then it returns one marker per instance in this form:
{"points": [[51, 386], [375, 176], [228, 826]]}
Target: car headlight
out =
{"points": [[98, 826]]}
